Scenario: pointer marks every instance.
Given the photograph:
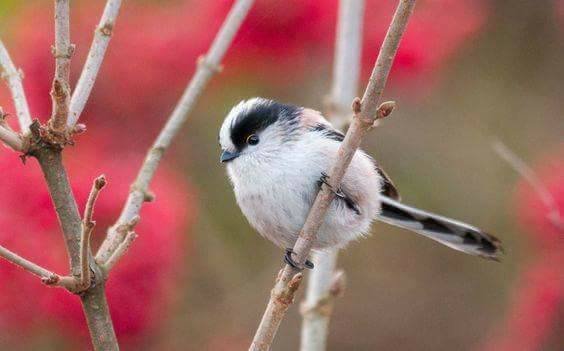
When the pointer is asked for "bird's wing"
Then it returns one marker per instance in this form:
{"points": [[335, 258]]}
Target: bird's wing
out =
{"points": [[321, 125], [388, 187]]}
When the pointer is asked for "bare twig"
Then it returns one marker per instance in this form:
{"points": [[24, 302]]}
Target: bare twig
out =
{"points": [[13, 79], [120, 251], [318, 304], [102, 37], [324, 285], [47, 277], [87, 227], [366, 112], [280, 301], [63, 50], [11, 139], [531, 177], [207, 66], [346, 68], [336, 284], [25, 264], [125, 232]]}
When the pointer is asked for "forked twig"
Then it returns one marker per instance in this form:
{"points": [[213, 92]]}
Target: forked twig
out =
{"points": [[366, 112], [76, 231]]}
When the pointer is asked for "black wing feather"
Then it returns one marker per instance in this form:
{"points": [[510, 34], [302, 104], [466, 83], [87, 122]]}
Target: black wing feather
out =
{"points": [[388, 187]]}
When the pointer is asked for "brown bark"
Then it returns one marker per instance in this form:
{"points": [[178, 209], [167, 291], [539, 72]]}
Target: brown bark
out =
{"points": [[93, 299]]}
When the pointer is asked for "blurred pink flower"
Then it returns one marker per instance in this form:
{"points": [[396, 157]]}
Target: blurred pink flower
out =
{"points": [[536, 307], [141, 288], [533, 214], [285, 38], [538, 299], [149, 61]]}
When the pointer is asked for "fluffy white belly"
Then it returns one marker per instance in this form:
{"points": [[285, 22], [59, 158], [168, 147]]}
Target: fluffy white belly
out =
{"points": [[276, 204]]}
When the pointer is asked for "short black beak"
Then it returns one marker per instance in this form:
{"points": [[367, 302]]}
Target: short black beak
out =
{"points": [[227, 156]]}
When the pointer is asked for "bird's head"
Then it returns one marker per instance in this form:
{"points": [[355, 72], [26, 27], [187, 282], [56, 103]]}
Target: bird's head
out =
{"points": [[258, 130]]}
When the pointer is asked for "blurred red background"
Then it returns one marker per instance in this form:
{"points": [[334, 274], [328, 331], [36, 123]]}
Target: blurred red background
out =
{"points": [[180, 283]]}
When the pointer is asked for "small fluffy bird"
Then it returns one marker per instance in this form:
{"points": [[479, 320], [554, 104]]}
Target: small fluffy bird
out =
{"points": [[277, 155]]}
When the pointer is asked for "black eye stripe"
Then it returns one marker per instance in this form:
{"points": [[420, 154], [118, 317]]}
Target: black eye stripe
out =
{"points": [[257, 117]]}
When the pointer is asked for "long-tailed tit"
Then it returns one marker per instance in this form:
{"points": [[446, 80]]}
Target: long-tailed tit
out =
{"points": [[277, 155]]}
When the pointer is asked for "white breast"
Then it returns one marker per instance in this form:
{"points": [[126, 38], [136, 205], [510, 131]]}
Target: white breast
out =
{"points": [[275, 195]]}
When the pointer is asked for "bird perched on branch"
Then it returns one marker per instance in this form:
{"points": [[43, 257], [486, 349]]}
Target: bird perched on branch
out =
{"points": [[277, 156]]}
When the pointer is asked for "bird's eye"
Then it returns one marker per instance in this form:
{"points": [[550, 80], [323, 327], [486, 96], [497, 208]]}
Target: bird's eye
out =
{"points": [[252, 139]]}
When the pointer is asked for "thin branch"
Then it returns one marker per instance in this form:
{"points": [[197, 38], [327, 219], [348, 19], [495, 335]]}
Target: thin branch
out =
{"points": [[531, 177], [13, 79], [318, 304], [87, 227], [281, 297], [208, 65], [63, 50], [366, 112], [98, 184], [102, 37], [25, 264], [47, 277], [124, 232], [11, 139], [120, 251]]}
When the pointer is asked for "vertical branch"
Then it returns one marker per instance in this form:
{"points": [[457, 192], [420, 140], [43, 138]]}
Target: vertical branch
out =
{"points": [[63, 50], [95, 306], [63, 200], [366, 112], [13, 78], [347, 62], [93, 299], [208, 65], [102, 37], [317, 307]]}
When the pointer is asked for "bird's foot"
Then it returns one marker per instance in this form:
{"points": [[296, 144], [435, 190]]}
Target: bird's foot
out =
{"points": [[290, 261], [324, 179]]}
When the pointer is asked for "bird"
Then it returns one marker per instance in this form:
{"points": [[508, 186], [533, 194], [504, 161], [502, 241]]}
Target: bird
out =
{"points": [[277, 155]]}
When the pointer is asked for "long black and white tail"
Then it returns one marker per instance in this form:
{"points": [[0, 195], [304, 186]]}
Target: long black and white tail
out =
{"points": [[454, 234]]}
